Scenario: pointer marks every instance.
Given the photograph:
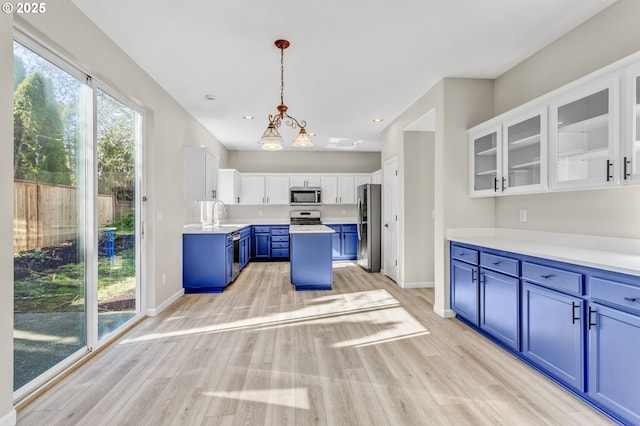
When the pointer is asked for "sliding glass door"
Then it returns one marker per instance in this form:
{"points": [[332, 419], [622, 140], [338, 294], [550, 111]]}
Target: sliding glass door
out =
{"points": [[76, 204]]}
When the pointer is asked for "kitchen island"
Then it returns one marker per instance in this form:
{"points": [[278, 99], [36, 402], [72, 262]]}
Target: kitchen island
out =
{"points": [[311, 256]]}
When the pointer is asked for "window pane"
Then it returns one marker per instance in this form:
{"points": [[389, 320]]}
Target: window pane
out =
{"points": [[117, 288], [49, 269]]}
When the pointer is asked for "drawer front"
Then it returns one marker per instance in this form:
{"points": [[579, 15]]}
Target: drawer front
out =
{"points": [[349, 228], [464, 254], [228, 240], [280, 231], [280, 253], [617, 293], [502, 264], [261, 229], [279, 245], [280, 238], [553, 277], [245, 232]]}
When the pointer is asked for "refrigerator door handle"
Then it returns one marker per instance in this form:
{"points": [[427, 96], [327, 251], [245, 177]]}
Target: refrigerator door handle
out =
{"points": [[359, 218]]}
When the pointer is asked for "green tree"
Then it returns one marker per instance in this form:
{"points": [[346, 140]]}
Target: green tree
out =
{"points": [[39, 151], [18, 72]]}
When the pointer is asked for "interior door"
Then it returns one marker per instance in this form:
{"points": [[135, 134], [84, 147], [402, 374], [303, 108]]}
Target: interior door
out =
{"points": [[390, 223]]}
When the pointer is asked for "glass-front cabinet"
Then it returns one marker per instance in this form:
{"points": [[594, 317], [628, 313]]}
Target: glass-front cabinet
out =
{"points": [[525, 153], [583, 131], [631, 133], [509, 155], [485, 157]]}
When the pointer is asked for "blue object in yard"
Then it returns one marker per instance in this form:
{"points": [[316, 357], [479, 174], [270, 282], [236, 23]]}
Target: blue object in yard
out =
{"points": [[106, 243]]}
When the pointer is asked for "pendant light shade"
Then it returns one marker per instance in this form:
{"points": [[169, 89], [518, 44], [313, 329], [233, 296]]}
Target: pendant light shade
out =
{"points": [[271, 139]]}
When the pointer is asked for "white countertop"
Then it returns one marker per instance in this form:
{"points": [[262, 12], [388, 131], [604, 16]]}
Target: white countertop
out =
{"points": [[609, 253], [198, 228], [310, 229]]}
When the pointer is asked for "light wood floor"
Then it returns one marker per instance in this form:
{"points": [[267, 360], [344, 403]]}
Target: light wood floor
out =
{"points": [[366, 353]]}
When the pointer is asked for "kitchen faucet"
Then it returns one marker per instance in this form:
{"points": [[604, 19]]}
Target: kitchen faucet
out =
{"points": [[216, 221]]}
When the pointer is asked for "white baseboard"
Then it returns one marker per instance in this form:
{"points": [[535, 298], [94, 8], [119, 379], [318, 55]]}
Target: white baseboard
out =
{"points": [[152, 312], [417, 284], [9, 419], [444, 313]]}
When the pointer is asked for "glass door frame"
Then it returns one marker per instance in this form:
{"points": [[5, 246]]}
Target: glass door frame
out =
{"points": [[88, 219]]}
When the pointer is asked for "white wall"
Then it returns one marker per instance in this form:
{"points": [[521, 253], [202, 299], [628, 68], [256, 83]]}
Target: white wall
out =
{"points": [[459, 104], [169, 127], [417, 263], [607, 37]]}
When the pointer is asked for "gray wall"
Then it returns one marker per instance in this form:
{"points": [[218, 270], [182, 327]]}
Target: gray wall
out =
{"points": [[606, 38], [304, 162]]}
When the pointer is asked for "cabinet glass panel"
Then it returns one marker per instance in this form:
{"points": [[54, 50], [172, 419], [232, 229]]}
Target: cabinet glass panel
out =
{"points": [[485, 151], [583, 138], [632, 167], [523, 153]]}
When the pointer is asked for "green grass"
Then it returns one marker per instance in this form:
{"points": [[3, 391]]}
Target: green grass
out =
{"points": [[62, 289]]}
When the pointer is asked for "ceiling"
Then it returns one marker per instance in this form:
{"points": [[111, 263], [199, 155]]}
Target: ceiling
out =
{"points": [[349, 61]]}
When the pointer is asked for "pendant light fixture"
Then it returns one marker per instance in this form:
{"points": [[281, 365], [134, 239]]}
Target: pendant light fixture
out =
{"points": [[271, 139]]}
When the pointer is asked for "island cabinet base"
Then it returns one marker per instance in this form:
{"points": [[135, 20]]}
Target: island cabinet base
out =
{"points": [[311, 256]]}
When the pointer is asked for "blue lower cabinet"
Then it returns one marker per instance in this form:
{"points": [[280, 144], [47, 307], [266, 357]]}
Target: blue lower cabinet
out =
{"points": [[261, 245], [614, 367], [552, 333], [500, 307], [464, 291], [344, 242], [207, 262], [350, 245], [310, 266]]}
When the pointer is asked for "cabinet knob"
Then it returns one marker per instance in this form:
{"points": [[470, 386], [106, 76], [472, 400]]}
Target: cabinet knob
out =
{"points": [[495, 263], [546, 277], [630, 299]]}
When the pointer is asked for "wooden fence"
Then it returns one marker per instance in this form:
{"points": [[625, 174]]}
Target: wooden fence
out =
{"points": [[46, 215]]}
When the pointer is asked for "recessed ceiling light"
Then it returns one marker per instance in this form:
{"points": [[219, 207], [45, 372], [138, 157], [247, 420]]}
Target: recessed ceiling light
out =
{"points": [[248, 117], [358, 142], [210, 97], [378, 120]]}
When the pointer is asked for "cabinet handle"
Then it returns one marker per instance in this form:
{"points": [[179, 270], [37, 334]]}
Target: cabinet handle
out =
{"points": [[473, 275], [574, 318], [504, 182], [495, 263], [609, 165], [591, 324], [267, 200], [459, 254], [546, 277], [627, 162], [495, 184], [630, 299], [238, 200]]}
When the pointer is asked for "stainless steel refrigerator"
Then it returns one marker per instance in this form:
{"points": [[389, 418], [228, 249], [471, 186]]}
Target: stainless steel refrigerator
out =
{"points": [[369, 217]]}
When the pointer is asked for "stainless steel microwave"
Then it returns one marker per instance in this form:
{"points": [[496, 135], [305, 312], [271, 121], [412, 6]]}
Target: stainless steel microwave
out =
{"points": [[305, 196]]}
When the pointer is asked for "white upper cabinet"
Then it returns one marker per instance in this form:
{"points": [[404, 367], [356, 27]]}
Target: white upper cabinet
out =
{"points": [[200, 174], [485, 158], [303, 180], [364, 178], [631, 129], [229, 186], [341, 189], [252, 189], [584, 135], [277, 189], [264, 188], [509, 155], [524, 153]]}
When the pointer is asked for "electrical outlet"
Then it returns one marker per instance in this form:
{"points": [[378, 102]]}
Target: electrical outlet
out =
{"points": [[523, 216]]}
